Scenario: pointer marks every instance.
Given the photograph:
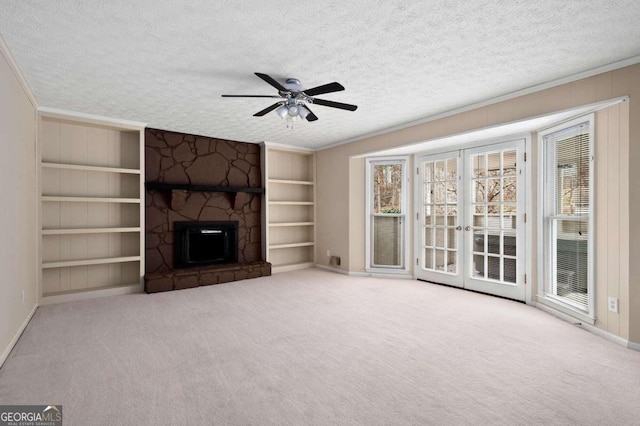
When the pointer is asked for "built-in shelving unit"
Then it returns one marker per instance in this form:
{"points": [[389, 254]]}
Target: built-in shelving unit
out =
{"points": [[92, 217], [289, 208]]}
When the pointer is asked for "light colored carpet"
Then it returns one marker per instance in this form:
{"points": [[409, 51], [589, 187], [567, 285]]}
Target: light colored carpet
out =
{"points": [[316, 348]]}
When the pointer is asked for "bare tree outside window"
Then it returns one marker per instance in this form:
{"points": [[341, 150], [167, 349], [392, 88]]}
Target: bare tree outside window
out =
{"points": [[387, 180]]}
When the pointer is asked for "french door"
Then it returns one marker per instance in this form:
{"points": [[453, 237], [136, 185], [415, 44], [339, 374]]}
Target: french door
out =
{"points": [[470, 210]]}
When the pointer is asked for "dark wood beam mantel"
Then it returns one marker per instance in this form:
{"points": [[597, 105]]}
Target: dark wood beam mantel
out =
{"points": [[206, 188]]}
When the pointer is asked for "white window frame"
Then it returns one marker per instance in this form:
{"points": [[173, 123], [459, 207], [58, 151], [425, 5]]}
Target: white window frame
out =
{"points": [[545, 234], [404, 244]]}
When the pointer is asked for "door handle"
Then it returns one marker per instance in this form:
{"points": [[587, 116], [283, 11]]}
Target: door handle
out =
{"points": [[458, 228], [467, 228]]}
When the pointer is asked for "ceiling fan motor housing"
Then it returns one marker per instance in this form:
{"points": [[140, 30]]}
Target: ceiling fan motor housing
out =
{"points": [[293, 84]]}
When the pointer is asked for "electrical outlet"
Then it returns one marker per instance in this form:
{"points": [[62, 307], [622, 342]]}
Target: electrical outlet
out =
{"points": [[328, 253], [613, 304]]}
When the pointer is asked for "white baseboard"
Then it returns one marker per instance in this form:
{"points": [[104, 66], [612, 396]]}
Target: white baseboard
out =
{"points": [[15, 339], [590, 328], [289, 268], [606, 335], [400, 276], [91, 294], [633, 345], [397, 276], [331, 269]]}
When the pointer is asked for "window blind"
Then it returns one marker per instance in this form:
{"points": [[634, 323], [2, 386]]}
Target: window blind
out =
{"points": [[567, 213]]}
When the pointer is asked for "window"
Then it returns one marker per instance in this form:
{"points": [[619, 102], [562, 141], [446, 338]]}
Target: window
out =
{"points": [[567, 189], [386, 190]]}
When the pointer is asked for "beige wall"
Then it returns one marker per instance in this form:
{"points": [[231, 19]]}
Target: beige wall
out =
{"points": [[18, 250], [340, 183]]}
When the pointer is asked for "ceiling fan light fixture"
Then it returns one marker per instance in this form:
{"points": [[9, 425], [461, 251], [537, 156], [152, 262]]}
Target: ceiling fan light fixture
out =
{"points": [[303, 112], [294, 110], [282, 111]]}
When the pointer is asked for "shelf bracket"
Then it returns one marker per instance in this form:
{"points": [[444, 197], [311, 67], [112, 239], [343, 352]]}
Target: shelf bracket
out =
{"points": [[178, 199]]}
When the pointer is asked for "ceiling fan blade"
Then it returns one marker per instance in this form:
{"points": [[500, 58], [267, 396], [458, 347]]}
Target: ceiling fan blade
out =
{"points": [[267, 110], [272, 82], [311, 116], [250, 96], [333, 104], [325, 88]]}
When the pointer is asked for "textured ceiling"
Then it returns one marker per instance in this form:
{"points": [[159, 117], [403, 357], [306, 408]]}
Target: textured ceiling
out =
{"points": [[166, 63]]}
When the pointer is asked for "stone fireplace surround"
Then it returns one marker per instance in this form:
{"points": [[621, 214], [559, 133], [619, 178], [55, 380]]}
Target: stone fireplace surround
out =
{"points": [[181, 166]]}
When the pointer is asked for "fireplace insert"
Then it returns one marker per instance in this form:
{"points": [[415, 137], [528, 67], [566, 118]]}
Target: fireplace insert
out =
{"points": [[205, 243]]}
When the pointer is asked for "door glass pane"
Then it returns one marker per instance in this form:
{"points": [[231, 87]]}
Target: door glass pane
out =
{"points": [[428, 258], [479, 216], [439, 237], [441, 212], [478, 241], [452, 213], [509, 244], [478, 191], [428, 216], [452, 262], [440, 260], [452, 192], [493, 245], [509, 189], [451, 238], [493, 164], [428, 188], [509, 163], [439, 193], [440, 170], [494, 189], [493, 268], [428, 236], [452, 169], [509, 272], [479, 166], [478, 266]]}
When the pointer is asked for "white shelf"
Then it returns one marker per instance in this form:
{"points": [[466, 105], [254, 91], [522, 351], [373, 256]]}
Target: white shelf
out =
{"points": [[51, 198], [292, 182], [291, 203], [88, 231], [291, 245], [284, 224], [85, 262], [79, 167]]}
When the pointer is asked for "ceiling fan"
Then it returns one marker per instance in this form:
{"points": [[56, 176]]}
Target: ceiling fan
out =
{"points": [[294, 100]]}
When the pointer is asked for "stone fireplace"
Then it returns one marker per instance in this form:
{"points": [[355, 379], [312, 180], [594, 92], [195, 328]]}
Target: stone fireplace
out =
{"points": [[203, 182]]}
